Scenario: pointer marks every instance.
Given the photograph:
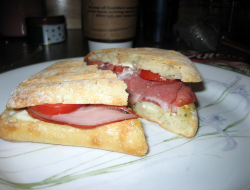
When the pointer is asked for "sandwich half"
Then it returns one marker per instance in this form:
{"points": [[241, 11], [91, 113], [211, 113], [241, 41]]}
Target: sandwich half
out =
{"points": [[68, 103], [158, 84]]}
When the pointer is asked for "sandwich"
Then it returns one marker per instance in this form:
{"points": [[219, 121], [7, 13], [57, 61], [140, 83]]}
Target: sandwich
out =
{"points": [[158, 84], [69, 103]]}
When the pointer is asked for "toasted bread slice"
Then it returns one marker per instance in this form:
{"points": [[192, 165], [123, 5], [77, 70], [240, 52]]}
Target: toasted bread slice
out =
{"points": [[184, 122], [169, 64], [69, 85], [125, 136], [66, 63], [70, 82]]}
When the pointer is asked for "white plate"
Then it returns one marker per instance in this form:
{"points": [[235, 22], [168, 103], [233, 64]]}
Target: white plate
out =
{"points": [[218, 157]]}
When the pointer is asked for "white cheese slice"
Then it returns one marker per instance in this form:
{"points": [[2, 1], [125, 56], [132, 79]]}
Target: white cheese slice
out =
{"points": [[22, 115]]}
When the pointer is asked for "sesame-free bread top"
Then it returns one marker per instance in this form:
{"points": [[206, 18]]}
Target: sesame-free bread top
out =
{"points": [[167, 63], [183, 122], [66, 63], [125, 136], [67, 84]]}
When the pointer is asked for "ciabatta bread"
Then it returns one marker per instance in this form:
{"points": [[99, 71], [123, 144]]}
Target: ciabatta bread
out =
{"points": [[169, 64], [69, 85], [183, 122], [66, 63], [70, 82], [125, 136]]}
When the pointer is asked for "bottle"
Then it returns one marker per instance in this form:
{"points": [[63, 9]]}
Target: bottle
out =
{"points": [[158, 17]]}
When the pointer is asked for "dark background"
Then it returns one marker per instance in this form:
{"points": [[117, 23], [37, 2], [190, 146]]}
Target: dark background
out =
{"points": [[233, 17]]}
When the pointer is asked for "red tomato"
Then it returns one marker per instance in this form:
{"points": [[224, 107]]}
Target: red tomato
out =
{"points": [[99, 63], [58, 122], [103, 66], [109, 67], [55, 109], [146, 74], [119, 69]]}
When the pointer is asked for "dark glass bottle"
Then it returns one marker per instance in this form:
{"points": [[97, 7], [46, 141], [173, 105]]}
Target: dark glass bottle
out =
{"points": [[158, 17]]}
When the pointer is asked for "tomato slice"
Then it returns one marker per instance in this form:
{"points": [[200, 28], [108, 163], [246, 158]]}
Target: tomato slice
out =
{"points": [[106, 66], [119, 69], [109, 67], [146, 74], [55, 109], [99, 63], [103, 66], [89, 116]]}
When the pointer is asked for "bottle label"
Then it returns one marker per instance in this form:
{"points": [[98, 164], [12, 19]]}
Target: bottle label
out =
{"points": [[110, 20]]}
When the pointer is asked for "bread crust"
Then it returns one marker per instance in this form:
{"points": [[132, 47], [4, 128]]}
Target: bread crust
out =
{"points": [[125, 136], [183, 122], [96, 91], [74, 76], [66, 63], [71, 82], [67, 84], [167, 63]]}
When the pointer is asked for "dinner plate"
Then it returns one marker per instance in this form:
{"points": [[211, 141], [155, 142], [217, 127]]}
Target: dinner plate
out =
{"points": [[217, 158]]}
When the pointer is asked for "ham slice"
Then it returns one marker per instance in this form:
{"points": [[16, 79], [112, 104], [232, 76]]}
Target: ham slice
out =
{"points": [[103, 66], [185, 96], [88, 116], [167, 95]]}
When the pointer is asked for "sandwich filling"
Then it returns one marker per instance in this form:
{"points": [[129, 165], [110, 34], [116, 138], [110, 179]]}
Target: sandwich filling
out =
{"points": [[144, 85], [81, 116]]}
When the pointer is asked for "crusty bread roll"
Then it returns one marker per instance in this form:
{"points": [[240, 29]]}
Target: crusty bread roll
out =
{"points": [[70, 82], [169, 64], [66, 63], [125, 136], [67, 84], [184, 122]]}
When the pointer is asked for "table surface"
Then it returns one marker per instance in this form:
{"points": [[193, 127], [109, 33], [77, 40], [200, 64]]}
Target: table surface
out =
{"points": [[17, 52]]}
